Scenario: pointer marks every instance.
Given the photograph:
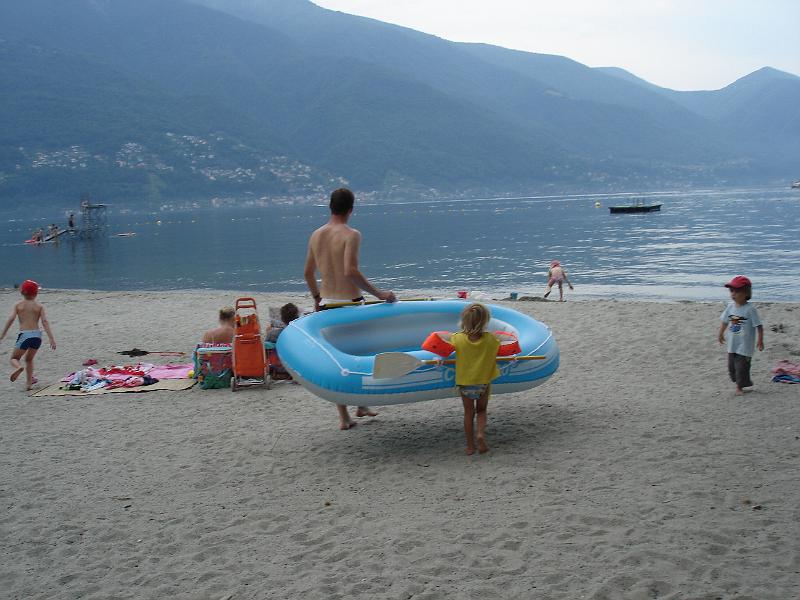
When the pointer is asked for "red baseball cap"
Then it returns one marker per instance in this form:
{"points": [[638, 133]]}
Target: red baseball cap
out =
{"points": [[737, 282], [29, 288]]}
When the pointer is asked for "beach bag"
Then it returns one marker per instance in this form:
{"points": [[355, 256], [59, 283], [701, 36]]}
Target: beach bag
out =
{"points": [[276, 369], [213, 366]]}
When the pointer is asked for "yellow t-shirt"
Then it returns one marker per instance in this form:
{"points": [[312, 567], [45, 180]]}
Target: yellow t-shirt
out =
{"points": [[476, 362]]}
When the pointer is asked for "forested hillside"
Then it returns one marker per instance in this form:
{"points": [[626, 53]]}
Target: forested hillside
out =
{"points": [[160, 100]]}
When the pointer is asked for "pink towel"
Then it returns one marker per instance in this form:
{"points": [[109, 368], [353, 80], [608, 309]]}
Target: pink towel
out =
{"points": [[785, 367], [121, 373], [171, 371]]}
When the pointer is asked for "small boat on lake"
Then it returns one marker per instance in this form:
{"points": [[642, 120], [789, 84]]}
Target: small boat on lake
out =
{"points": [[796, 185], [638, 207]]}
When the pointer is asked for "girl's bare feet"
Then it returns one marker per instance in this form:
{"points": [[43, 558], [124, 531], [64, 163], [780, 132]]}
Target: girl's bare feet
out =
{"points": [[483, 447], [470, 450], [363, 411], [345, 425]]}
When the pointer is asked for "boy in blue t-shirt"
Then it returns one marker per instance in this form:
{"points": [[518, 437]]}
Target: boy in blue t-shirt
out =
{"points": [[741, 320]]}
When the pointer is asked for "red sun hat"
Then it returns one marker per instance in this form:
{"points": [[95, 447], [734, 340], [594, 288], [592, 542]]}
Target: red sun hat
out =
{"points": [[737, 282], [29, 288]]}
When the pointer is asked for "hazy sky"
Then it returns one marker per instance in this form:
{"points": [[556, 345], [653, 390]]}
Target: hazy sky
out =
{"points": [[680, 44]]}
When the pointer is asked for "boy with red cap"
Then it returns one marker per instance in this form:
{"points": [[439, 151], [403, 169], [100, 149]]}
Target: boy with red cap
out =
{"points": [[741, 320], [30, 313]]}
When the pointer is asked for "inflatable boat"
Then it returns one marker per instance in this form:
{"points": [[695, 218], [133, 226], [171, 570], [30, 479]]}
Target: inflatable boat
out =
{"points": [[332, 352]]}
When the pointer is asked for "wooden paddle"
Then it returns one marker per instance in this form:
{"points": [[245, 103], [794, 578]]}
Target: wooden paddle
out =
{"points": [[389, 365]]}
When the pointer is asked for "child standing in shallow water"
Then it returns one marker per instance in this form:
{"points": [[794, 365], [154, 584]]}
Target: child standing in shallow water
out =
{"points": [[476, 366], [557, 275], [30, 313], [741, 320]]}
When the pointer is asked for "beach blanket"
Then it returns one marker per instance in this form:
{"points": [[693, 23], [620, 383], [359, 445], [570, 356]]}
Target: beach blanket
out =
{"points": [[93, 378], [786, 372], [57, 389]]}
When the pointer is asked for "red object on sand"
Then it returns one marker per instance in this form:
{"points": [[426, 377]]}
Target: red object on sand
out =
{"points": [[249, 358]]}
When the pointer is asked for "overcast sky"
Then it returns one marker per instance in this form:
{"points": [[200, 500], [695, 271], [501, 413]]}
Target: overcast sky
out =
{"points": [[680, 44]]}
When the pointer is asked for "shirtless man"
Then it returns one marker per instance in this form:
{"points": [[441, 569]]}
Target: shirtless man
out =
{"points": [[333, 251], [30, 313]]}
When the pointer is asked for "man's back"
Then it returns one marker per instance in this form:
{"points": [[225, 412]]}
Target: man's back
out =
{"points": [[331, 246], [333, 251]]}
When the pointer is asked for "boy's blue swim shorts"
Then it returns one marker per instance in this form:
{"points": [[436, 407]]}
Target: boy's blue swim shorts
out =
{"points": [[31, 339]]}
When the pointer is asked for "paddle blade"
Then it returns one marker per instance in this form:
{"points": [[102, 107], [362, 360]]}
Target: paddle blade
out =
{"points": [[389, 365]]}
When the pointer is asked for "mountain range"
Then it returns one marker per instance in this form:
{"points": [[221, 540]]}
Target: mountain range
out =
{"points": [[156, 100]]}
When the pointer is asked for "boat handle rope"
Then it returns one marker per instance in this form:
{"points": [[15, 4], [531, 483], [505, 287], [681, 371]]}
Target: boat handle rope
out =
{"points": [[342, 371], [547, 339]]}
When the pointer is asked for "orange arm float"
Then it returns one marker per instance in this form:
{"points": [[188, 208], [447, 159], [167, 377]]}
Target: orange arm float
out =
{"points": [[435, 344]]}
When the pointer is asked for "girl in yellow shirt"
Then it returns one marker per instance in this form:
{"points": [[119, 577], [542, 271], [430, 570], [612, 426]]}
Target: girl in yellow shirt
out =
{"points": [[476, 366]]}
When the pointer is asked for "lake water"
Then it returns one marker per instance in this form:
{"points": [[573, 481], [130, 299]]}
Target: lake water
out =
{"points": [[687, 251]]}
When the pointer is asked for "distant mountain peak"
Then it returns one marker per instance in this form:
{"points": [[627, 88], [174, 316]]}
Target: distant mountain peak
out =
{"points": [[767, 73]]}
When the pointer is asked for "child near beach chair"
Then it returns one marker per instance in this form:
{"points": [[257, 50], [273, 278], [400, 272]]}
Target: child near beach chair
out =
{"points": [[288, 313], [213, 357]]}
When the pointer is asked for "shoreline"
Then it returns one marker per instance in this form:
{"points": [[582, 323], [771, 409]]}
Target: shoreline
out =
{"points": [[523, 297], [633, 472]]}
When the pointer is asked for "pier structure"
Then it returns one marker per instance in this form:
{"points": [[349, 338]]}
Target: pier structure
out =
{"points": [[94, 218]]}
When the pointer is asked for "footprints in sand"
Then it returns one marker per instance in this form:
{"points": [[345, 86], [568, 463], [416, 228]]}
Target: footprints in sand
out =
{"points": [[785, 339], [624, 586]]}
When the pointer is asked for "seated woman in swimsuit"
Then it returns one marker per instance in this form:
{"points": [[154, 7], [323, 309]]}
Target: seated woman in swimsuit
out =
{"points": [[224, 333]]}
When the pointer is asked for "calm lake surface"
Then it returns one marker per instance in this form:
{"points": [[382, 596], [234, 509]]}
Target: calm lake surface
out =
{"points": [[695, 244]]}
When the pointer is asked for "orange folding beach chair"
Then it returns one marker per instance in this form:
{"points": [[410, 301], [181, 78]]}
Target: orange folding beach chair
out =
{"points": [[249, 360]]}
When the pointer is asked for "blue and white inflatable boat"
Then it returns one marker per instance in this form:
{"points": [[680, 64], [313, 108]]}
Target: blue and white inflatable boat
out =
{"points": [[332, 353]]}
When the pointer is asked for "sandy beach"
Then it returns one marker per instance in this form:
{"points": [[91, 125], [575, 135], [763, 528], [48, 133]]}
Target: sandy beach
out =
{"points": [[633, 473]]}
